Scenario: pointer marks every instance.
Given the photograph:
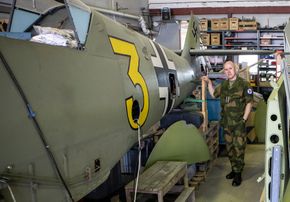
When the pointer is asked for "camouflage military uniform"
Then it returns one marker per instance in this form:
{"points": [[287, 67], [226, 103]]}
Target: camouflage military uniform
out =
{"points": [[234, 99]]}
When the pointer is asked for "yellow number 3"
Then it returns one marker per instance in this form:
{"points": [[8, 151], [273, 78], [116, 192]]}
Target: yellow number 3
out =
{"points": [[128, 49]]}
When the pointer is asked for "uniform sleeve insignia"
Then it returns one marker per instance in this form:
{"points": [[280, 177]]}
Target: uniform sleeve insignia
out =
{"points": [[250, 91]]}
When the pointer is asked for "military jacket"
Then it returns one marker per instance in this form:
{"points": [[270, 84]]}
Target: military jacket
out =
{"points": [[233, 100]]}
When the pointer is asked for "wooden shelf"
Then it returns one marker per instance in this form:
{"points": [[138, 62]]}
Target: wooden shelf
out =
{"points": [[267, 69]]}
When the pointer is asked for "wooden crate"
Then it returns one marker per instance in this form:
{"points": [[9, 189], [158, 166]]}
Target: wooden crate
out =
{"points": [[224, 24], [212, 139], [215, 24], [234, 23], [248, 25], [203, 24], [211, 136], [205, 38], [215, 39]]}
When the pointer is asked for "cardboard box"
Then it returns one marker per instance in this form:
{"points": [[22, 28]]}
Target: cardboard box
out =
{"points": [[203, 23], [224, 24], [234, 23], [215, 24], [205, 38], [215, 39]]}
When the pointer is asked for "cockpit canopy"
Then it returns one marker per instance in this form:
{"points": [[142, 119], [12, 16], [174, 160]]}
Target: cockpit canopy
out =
{"points": [[27, 13]]}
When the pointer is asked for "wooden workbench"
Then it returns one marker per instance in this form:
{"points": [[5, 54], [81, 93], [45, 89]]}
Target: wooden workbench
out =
{"points": [[159, 179]]}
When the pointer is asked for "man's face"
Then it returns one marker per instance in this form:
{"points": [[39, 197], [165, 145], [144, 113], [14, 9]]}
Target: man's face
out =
{"points": [[230, 71]]}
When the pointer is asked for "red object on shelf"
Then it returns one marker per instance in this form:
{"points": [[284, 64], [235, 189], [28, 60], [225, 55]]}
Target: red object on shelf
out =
{"points": [[274, 62]]}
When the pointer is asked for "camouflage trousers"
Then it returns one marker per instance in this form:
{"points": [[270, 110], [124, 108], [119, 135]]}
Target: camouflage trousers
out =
{"points": [[236, 140]]}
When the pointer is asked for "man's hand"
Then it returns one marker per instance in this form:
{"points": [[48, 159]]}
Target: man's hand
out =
{"points": [[210, 86], [205, 78]]}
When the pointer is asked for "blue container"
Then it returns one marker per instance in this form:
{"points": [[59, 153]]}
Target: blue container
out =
{"points": [[214, 109], [221, 136]]}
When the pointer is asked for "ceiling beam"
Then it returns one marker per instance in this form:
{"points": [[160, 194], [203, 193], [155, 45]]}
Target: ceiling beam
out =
{"points": [[225, 10]]}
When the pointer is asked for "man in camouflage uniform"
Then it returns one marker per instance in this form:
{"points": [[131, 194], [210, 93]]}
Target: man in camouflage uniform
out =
{"points": [[236, 97]]}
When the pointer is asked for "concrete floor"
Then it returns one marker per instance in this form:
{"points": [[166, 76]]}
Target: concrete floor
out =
{"points": [[217, 188]]}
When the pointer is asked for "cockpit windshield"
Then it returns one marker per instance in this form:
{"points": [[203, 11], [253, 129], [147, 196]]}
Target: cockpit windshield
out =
{"points": [[50, 16]]}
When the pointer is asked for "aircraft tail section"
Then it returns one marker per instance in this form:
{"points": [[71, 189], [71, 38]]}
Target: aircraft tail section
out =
{"points": [[192, 37], [287, 36]]}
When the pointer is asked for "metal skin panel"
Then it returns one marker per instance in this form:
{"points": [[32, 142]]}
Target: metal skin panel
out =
{"points": [[82, 103], [260, 120], [275, 136]]}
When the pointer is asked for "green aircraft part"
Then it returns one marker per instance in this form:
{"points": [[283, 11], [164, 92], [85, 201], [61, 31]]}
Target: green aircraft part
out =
{"points": [[260, 121], [275, 135], [286, 197], [180, 142]]}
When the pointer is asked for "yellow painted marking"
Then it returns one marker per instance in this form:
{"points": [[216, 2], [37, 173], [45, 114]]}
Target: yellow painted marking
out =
{"points": [[128, 49]]}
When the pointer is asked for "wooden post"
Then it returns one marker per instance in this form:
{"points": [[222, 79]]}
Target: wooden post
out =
{"points": [[262, 197], [203, 107], [1, 27]]}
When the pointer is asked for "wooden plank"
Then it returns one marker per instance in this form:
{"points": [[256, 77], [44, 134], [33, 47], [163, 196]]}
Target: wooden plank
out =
{"points": [[159, 178], [262, 197], [168, 176], [194, 184], [188, 194], [203, 107]]}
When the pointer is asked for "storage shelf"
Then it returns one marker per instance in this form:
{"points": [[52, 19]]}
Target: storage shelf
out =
{"points": [[214, 45], [255, 39], [271, 45], [267, 69], [241, 45], [278, 38], [270, 30], [243, 31], [236, 38]]}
